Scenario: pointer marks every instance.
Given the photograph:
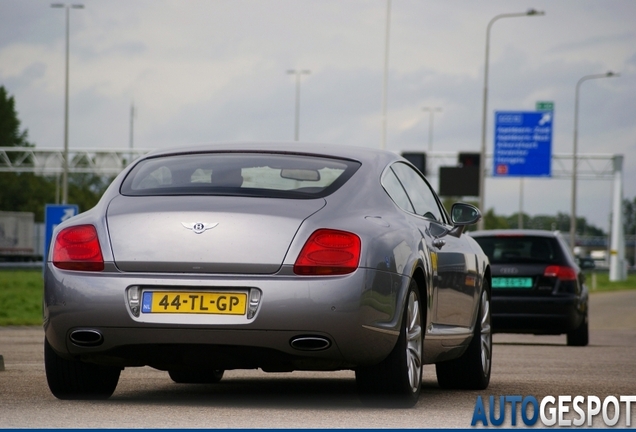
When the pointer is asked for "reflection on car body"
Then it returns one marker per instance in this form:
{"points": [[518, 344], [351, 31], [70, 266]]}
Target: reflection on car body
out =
{"points": [[279, 257]]}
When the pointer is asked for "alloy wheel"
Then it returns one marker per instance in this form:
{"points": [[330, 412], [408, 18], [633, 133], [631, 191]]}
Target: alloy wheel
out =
{"points": [[486, 333], [414, 342]]}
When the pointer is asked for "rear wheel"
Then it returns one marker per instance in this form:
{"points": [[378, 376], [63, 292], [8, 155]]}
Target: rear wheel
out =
{"points": [[471, 370], [71, 379], [580, 336], [397, 380], [196, 376]]}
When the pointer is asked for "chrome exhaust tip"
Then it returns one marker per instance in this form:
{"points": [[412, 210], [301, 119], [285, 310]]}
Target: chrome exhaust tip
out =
{"points": [[310, 343], [86, 338]]}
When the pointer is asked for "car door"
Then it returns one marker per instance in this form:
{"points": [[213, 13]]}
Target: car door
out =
{"points": [[455, 289]]}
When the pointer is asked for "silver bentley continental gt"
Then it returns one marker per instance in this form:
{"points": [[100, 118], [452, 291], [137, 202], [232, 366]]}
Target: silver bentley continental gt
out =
{"points": [[273, 256]]}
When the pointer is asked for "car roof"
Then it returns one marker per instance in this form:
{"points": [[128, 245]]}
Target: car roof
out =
{"points": [[362, 154], [514, 232]]}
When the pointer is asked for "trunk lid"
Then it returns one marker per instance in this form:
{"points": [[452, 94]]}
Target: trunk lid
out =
{"points": [[204, 234]]}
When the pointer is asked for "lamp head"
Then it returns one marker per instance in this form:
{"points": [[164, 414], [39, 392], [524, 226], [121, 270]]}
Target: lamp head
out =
{"points": [[535, 12]]}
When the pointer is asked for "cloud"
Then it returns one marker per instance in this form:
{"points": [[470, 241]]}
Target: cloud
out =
{"points": [[202, 71]]}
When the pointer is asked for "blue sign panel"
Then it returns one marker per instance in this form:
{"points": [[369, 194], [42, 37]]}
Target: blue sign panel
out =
{"points": [[55, 214], [523, 143]]}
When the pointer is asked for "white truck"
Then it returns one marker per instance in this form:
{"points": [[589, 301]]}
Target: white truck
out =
{"points": [[19, 237]]}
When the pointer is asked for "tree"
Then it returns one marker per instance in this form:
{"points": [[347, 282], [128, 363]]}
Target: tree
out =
{"points": [[28, 192], [560, 222], [85, 190], [492, 221], [10, 135], [20, 191]]}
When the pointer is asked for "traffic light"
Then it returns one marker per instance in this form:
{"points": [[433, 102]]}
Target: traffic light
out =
{"points": [[469, 160], [462, 180]]}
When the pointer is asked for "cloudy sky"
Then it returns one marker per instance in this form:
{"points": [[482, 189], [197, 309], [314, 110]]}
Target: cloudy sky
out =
{"points": [[215, 70]]}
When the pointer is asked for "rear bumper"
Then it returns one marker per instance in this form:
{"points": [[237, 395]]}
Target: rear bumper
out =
{"points": [[538, 315], [359, 314]]}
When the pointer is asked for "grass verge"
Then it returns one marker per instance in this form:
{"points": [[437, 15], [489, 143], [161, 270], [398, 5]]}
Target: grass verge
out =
{"points": [[21, 297], [599, 282]]}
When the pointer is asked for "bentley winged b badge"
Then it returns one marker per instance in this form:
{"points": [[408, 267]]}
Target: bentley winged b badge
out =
{"points": [[199, 227]]}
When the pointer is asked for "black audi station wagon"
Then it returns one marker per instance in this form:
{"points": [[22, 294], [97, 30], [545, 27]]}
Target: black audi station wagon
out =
{"points": [[537, 286]]}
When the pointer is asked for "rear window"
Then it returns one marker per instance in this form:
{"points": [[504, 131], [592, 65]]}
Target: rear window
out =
{"points": [[520, 249], [242, 174]]}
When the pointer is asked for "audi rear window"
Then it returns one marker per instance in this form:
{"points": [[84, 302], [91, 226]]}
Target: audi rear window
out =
{"points": [[239, 174], [520, 249]]}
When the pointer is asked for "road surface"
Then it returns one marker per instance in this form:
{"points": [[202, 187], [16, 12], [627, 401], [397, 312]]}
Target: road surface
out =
{"points": [[522, 365]]}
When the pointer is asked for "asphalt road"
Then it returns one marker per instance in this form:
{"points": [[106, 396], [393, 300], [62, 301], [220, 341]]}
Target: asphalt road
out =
{"points": [[522, 365]]}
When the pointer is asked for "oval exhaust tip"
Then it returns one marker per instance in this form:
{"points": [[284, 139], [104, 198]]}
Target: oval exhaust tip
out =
{"points": [[87, 338], [310, 343]]}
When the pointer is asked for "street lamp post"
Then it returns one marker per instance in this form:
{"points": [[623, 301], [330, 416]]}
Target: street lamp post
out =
{"points": [[298, 73], [482, 168], [132, 125], [431, 111], [609, 74], [67, 7], [385, 77]]}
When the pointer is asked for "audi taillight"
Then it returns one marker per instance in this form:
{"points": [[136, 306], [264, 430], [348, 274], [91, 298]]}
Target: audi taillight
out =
{"points": [[560, 272], [77, 248], [329, 252]]}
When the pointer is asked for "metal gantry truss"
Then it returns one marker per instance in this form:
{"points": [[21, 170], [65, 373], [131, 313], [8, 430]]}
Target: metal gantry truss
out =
{"points": [[112, 161], [589, 166], [50, 162]]}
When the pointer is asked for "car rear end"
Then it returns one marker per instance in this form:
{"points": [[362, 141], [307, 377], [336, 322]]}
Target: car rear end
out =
{"points": [[536, 285], [213, 260]]}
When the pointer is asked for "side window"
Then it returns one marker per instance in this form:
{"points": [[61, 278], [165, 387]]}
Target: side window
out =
{"points": [[419, 192], [395, 190]]}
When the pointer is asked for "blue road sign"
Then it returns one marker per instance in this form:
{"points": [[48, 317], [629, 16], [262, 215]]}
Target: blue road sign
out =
{"points": [[55, 214], [523, 144]]}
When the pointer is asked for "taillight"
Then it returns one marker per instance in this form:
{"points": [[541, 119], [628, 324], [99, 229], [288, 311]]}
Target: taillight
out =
{"points": [[77, 248], [329, 252], [560, 272]]}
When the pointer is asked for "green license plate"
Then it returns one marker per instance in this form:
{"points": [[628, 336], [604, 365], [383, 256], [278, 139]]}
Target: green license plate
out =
{"points": [[511, 282]]}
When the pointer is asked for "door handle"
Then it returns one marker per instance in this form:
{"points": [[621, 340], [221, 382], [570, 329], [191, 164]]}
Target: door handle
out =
{"points": [[439, 243]]}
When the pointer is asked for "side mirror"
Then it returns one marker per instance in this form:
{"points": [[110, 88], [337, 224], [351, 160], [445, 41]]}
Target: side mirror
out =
{"points": [[463, 214]]}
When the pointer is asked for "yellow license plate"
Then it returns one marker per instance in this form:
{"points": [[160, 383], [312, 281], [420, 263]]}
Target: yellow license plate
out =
{"points": [[224, 303]]}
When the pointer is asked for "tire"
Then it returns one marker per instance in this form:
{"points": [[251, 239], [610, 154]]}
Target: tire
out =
{"points": [[181, 376], [397, 380], [471, 371], [581, 335], [71, 379]]}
